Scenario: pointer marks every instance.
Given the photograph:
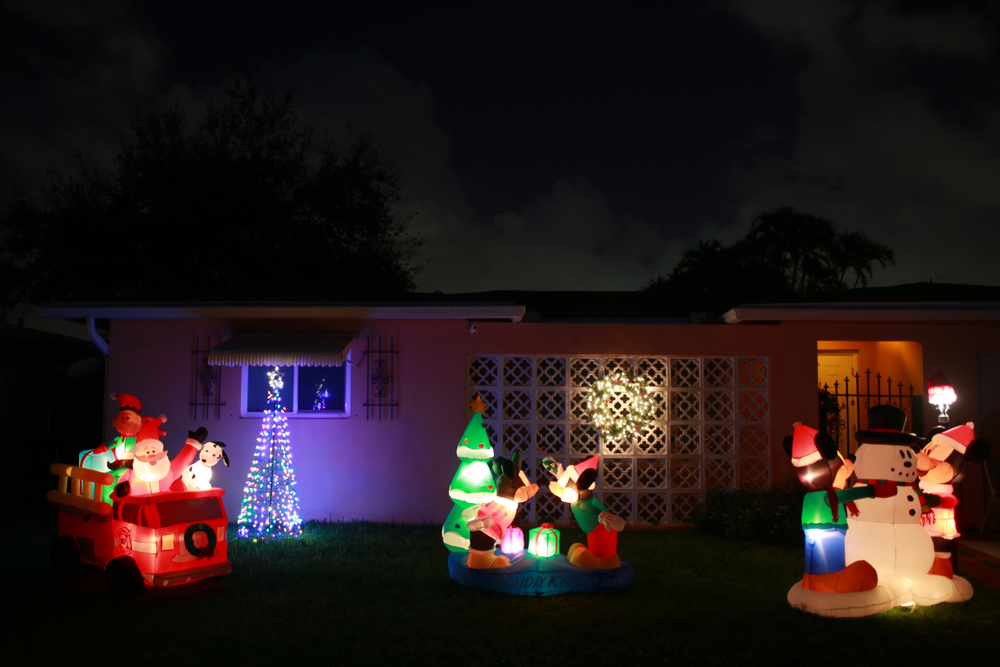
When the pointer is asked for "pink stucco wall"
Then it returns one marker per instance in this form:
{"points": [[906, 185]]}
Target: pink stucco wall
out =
{"points": [[400, 470]]}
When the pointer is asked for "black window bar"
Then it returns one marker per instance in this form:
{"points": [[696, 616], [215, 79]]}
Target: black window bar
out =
{"points": [[207, 382], [381, 369], [837, 404]]}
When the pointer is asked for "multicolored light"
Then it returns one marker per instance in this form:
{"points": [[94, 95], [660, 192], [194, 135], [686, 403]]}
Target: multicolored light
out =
{"points": [[270, 505]]}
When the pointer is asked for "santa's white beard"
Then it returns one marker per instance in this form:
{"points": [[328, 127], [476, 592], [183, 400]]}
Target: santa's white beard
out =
{"points": [[153, 471]]}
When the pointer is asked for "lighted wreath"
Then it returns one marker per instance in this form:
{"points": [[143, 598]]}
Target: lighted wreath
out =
{"points": [[619, 387]]}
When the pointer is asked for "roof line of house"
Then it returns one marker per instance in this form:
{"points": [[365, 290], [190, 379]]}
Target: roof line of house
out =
{"points": [[378, 311], [882, 312]]}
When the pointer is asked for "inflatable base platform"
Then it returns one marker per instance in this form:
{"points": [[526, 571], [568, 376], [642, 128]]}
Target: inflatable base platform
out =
{"points": [[530, 575]]}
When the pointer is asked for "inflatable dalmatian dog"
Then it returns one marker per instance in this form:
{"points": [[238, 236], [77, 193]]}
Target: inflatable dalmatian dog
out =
{"points": [[889, 533], [198, 476]]}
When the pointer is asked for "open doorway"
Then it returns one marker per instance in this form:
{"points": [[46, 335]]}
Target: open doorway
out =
{"points": [[859, 374]]}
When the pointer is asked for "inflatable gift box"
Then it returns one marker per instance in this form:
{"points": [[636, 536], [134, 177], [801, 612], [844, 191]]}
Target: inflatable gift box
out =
{"points": [[513, 541], [544, 540]]}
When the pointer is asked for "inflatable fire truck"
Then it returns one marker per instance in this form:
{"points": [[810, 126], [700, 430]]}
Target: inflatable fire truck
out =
{"points": [[160, 539]]}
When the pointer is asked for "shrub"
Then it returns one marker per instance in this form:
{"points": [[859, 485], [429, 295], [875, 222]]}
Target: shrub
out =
{"points": [[773, 516]]}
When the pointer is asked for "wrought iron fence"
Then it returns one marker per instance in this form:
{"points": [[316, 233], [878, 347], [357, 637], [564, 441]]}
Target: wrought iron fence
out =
{"points": [[845, 404]]}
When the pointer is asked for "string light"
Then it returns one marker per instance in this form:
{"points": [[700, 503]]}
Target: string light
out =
{"points": [[620, 406], [270, 504]]}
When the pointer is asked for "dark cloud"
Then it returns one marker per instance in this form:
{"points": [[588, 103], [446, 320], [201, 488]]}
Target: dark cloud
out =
{"points": [[875, 146], [74, 73], [544, 157]]}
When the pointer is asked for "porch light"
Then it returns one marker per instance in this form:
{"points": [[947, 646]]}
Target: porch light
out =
{"points": [[941, 394]]}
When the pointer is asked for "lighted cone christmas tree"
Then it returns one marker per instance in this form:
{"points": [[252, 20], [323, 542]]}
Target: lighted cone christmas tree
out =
{"points": [[473, 483], [270, 505]]}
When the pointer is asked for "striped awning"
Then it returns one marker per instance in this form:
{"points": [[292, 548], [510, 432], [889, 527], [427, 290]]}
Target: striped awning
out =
{"points": [[281, 351]]}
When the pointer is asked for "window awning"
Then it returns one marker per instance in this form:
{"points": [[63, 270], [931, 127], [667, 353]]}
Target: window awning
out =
{"points": [[281, 351]]}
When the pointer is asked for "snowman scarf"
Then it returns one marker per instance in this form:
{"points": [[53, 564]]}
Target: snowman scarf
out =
{"points": [[926, 515], [834, 502]]}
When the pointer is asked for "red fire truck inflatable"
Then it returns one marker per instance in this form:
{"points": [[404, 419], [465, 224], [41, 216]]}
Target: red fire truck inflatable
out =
{"points": [[160, 539]]}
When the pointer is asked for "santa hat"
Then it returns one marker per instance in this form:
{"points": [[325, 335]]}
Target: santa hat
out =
{"points": [[151, 428], [804, 450], [957, 438], [127, 402], [573, 472]]}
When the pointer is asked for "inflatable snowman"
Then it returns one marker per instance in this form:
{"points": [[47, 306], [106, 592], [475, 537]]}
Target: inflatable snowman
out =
{"points": [[888, 533]]}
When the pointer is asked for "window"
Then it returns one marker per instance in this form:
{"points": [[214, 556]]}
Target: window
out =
{"points": [[310, 392]]}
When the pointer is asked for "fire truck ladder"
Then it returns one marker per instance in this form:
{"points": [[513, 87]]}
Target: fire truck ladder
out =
{"points": [[80, 488]]}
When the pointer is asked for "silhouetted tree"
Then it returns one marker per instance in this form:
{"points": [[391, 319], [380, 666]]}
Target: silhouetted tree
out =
{"points": [[853, 251], [786, 255], [246, 205]]}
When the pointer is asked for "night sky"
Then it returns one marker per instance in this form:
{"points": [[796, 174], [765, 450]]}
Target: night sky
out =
{"points": [[573, 145]]}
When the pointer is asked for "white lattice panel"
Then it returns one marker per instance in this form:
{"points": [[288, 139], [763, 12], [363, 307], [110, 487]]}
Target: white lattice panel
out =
{"points": [[653, 442], [584, 371], [685, 473], [656, 370], [753, 372], [683, 506], [718, 406], [685, 406], [551, 405], [685, 439], [651, 473], [653, 508], [619, 504], [583, 439], [718, 372], [720, 440], [517, 371], [616, 473], [710, 428], [492, 399], [551, 372], [516, 437], [685, 372], [484, 371], [550, 439], [516, 404]]}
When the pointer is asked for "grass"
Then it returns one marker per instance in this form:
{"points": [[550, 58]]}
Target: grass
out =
{"points": [[362, 593]]}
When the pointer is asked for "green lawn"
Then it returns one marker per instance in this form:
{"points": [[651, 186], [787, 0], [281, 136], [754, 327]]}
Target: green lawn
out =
{"points": [[361, 593]]}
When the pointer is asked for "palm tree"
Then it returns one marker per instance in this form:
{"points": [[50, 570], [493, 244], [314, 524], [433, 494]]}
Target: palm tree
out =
{"points": [[798, 244], [853, 251]]}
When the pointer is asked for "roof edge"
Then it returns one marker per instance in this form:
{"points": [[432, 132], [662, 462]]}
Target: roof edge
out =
{"points": [[882, 312], [343, 311]]}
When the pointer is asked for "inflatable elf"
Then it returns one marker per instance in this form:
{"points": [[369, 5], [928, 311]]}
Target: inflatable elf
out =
{"points": [[116, 456], [575, 485]]}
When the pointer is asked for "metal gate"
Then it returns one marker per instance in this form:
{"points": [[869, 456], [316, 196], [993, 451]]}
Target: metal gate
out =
{"points": [[843, 408]]}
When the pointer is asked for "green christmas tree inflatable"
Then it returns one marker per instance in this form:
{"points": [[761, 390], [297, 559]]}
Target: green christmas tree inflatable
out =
{"points": [[473, 483]]}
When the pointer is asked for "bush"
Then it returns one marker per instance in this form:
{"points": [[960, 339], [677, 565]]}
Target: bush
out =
{"points": [[768, 517]]}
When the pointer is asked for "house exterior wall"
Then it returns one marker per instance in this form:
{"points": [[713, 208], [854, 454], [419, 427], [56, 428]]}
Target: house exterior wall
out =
{"points": [[400, 470]]}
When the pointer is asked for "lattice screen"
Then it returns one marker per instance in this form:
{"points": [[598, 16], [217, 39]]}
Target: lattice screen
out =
{"points": [[710, 428]]}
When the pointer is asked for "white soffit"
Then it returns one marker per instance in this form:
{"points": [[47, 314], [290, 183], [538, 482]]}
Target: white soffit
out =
{"points": [[866, 312], [444, 311]]}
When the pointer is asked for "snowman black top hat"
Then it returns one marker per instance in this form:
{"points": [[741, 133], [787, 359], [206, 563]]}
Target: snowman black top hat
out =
{"points": [[885, 427]]}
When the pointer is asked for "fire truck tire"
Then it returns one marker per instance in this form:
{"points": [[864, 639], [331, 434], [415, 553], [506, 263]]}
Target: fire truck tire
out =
{"points": [[65, 554], [199, 552], [124, 577]]}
